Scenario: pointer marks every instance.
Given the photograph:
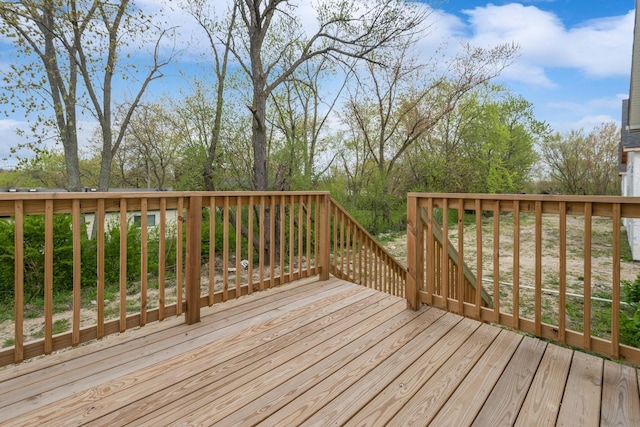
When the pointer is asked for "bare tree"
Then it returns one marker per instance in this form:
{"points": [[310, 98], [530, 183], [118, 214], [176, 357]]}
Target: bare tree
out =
{"points": [[270, 31], [584, 164], [77, 46]]}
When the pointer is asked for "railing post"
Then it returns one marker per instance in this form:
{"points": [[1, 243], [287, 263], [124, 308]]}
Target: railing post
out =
{"points": [[193, 257], [325, 238], [414, 252]]}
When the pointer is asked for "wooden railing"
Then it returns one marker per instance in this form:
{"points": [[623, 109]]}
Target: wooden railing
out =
{"points": [[162, 254], [357, 257], [538, 278]]}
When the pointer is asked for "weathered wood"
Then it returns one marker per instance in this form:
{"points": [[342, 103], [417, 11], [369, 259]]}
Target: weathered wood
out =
{"points": [[542, 403], [505, 401], [582, 394], [465, 403], [620, 399], [193, 260]]}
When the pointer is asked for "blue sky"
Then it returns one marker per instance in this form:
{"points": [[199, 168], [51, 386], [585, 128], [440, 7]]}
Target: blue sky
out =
{"points": [[575, 57], [574, 61]]}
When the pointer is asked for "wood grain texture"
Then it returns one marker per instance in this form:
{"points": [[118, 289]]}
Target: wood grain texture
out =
{"points": [[581, 400], [465, 403], [620, 401], [319, 353], [542, 403], [504, 402]]}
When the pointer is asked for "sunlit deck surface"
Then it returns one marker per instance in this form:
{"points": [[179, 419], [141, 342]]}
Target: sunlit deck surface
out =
{"points": [[320, 353]]}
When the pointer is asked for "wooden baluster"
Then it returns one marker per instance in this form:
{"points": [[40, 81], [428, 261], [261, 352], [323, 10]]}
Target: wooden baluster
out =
{"points": [[615, 292], [516, 265], [587, 275], [123, 265], [562, 310], [48, 277]]}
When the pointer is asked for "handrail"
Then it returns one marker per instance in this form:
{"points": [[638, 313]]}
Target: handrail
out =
{"points": [[155, 255], [357, 257], [499, 246]]}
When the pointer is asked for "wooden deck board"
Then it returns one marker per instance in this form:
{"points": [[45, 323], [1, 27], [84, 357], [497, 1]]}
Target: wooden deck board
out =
{"points": [[620, 404], [320, 353], [504, 402], [543, 399], [465, 403]]}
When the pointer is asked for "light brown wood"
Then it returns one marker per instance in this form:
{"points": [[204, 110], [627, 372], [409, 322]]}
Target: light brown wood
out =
{"points": [[581, 400], [179, 260], [212, 250], [516, 265], [478, 208], [123, 266], [18, 303], [505, 401], [562, 288], [538, 270], [620, 399], [193, 262], [369, 395], [429, 399], [465, 403], [312, 353], [586, 344], [77, 272], [496, 261], [615, 285], [144, 262], [250, 220], [225, 250], [162, 240], [48, 277], [238, 228], [101, 269], [542, 403]]}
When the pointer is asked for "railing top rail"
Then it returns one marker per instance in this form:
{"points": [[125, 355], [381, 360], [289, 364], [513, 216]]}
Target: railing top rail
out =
{"points": [[26, 195], [530, 197]]}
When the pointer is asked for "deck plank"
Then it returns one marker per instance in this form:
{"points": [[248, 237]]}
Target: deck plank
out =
{"points": [[358, 393], [108, 385], [320, 353], [420, 407], [581, 401], [504, 402], [124, 358], [542, 403], [620, 402], [465, 403], [367, 351]]}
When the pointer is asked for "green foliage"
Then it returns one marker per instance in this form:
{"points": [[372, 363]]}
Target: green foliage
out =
{"points": [[630, 317], [579, 163], [34, 245]]}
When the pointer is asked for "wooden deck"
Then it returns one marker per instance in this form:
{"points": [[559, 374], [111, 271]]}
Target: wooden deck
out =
{"points": [[320, 353]]}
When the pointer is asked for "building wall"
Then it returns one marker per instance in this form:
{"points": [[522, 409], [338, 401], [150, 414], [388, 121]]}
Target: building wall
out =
{"points": [[153, 218], [631, 187]]}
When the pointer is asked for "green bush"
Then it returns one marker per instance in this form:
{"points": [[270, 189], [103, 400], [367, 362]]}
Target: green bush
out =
{"points": [[34, 244], [630, 317]]}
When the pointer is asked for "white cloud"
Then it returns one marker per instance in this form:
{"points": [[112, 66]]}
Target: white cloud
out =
{"points": [[598, 48]]}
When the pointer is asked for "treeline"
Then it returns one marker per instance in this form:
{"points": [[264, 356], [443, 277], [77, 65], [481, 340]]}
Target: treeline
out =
{"points": [[351, 106]]}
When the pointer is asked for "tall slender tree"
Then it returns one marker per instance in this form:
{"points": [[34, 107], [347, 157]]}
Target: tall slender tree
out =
{"points": [[76, 46]]}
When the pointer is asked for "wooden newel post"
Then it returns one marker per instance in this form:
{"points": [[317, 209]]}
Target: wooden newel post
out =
{"points": [[194, 255], [325, 238], [415, 252]]}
